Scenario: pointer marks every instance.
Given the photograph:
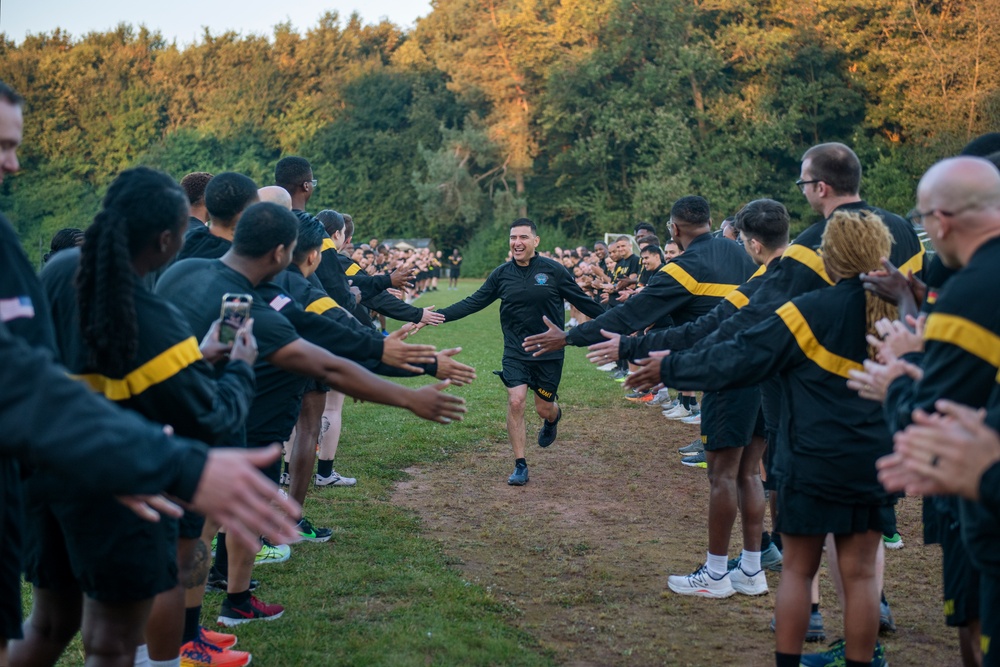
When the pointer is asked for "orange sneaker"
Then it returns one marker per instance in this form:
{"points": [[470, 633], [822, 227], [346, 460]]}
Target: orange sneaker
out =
{"points": [[220, 639], [197, 653]]}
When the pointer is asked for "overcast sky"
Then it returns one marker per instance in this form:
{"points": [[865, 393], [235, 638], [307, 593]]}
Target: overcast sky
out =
{"points": [[183, 19]]}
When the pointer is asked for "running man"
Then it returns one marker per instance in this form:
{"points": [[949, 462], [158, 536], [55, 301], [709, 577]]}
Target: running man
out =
{"points": [[529, 287]]}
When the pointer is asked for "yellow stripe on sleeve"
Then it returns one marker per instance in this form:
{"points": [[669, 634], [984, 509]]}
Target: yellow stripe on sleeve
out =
{"points": [[695, 287], [352, 269], [321, 305], [811, 347], [809, 257], [737, 298], [328, 244], [965, 334], [915, 263], [159, 369]]}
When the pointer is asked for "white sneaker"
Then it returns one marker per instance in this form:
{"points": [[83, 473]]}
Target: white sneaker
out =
{"points": [[677, 412], [662, 398], [610, 366], [693, 419], [701, 584], [335, 480], [748, 584]]}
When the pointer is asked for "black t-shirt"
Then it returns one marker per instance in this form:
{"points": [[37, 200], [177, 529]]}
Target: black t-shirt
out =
{"points": [[627, 267], [196, 287], [24, 308], [526, 293], [200, 242]]}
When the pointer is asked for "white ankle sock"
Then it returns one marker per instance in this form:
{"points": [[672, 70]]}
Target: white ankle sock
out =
{"points": [[176, 662], [750, 561], [141, 656], [716, 565]]}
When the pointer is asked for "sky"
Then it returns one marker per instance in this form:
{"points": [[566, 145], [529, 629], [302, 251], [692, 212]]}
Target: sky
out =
{"points": [[184, 20]]}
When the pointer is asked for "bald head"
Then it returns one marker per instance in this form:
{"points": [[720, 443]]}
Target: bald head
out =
{"points": [[958, 184], [959, 202], [276, 195]]}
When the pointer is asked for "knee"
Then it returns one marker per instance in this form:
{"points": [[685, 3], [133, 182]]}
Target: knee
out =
{"points": [[516, 405], [193, 572], [56, 624]]}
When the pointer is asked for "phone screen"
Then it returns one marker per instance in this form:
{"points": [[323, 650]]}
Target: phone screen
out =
{"points": [[235, 313]]}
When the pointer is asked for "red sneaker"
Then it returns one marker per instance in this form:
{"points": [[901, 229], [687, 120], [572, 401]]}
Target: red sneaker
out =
{"points": [[220, 639], [254, 610], [197, 653]]}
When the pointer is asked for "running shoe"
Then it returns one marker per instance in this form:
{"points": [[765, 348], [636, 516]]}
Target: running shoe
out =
{"points": [[694, 420], [748, 584], [677, 412], [218, 581], [834, 657], [886, 622], [200, 653], [771, 558], [334, 479], [311, 534], [608, 367], [273, 553], [701, 584], [662, 398], [621, 375], [815, 632], [220, 639], [695, 461], [639, 397], [695, 447], [520, 475], [547, 434], [285, 479], [894, 542], [252, 610]]}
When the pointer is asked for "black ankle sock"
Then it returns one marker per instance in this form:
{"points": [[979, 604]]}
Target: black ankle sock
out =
{"points": [[857, 663], [884, 601], [222, 555], [324, 467], [192, 619], [685, 401], [776, 538], [521, 463], [787, 659], [239, 598], [765, 541], [286, 467], [815, 608]]}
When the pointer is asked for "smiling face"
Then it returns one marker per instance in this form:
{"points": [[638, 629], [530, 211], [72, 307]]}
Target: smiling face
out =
{"points": [[523, 243]]}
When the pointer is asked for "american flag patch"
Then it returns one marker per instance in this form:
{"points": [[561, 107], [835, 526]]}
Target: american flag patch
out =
{"points": [[16, 308], [280, 302]]}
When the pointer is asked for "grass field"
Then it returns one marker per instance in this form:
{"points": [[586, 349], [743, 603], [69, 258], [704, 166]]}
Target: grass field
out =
{"points": [[436, 561]]}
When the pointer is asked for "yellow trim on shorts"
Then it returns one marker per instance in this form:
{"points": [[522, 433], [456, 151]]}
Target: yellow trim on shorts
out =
{"points": [[810, 345], [159, 369]]}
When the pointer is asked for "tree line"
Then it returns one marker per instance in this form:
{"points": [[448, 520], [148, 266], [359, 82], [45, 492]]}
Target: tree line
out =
{"points": [[586, 115]]}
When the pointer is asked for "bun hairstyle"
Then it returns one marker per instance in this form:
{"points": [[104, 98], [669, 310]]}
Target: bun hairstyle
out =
{"points": [[855, 242], [140, 205]]}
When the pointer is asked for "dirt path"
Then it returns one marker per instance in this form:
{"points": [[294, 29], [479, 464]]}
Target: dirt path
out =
{"points": [[582, 552]]}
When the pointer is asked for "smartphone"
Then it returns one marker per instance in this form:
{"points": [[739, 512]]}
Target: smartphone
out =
{"points": [[235, 313]]}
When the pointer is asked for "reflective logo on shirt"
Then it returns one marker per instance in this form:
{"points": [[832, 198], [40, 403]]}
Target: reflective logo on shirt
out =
{"points": [[541, 278]]}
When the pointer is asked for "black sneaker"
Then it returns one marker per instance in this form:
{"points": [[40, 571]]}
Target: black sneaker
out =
{"points": [[547, 435], [217, 581], [310, 534], [520, 475]]}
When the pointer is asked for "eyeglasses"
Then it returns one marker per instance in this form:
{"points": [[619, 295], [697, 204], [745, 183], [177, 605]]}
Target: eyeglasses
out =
{"points": [[313, 183], [916, 218], [802, 184]]}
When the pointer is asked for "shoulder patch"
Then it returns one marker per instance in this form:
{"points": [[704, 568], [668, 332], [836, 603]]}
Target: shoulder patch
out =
{"points": [[280, 302], [16, 308]]}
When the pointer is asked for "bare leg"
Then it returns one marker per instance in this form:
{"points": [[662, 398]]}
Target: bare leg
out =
{"points": [[304, 450], [333, 417], [969, 645], [723, 466], [54, 620], [791, 610], [165, 627], [751, 494], [547, 410], [111, 632], [856, 555], [194, 586], [516, 398]]}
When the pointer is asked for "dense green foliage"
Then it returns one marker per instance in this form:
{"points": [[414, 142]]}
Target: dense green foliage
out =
{"points": [[585, 114]]}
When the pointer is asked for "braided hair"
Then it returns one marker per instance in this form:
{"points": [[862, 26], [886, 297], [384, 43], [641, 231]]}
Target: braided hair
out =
{"points": [[855, 242], [140, 205]]}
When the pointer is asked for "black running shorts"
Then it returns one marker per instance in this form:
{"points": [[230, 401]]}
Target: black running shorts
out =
{"points": [[10, 562], [273, 471], [542, 377], [730, 418], [803, 514], [102, 548], [961, 579], [989, 609]]}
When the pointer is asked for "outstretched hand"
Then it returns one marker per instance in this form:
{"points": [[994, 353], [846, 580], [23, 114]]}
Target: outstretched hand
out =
{"points": [[449, 369], [605, 351], [430, 317], [433, 404], [400, 354], [647, 377], [553, 340]]}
